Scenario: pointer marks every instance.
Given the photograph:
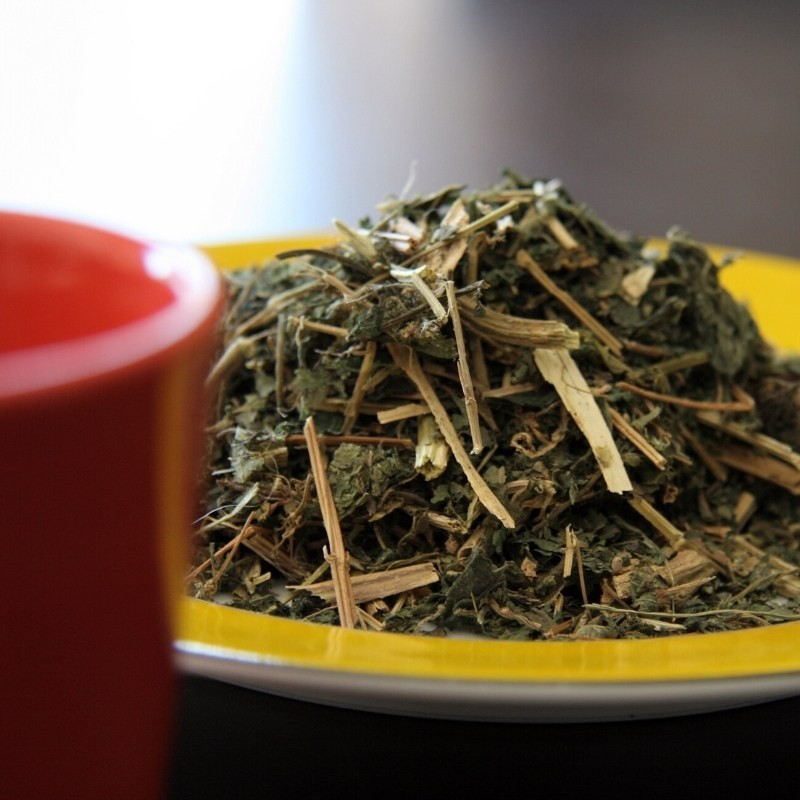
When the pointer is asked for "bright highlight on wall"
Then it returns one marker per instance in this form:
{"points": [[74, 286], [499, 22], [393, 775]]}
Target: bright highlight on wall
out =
{"points": [[141, 115]]}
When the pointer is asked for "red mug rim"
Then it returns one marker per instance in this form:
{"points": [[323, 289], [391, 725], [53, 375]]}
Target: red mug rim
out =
{"points": [[189, 295]]}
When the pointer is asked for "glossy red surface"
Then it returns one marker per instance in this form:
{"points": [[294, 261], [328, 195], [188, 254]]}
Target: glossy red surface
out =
{"points": [[65, 281], [102, 365]]}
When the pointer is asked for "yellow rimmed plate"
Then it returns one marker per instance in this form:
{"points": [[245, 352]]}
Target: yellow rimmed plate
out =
{"points": [[497, 680]]}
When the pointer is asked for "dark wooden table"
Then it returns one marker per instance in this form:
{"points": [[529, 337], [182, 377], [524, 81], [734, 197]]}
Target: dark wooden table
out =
{"points": [[238, 743]]}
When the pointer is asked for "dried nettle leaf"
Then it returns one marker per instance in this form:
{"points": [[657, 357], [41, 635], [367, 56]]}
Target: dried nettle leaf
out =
{"points": [[490, 411]]}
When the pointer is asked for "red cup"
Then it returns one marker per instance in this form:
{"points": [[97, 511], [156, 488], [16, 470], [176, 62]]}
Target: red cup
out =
{"points": [[104, 345]]}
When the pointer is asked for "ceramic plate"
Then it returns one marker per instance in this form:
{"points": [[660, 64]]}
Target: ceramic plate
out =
{"points": [[507, 681]]}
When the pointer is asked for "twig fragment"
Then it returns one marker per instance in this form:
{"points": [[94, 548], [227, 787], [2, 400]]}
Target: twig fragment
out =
{"points": [[636, 439], [464, 371], [378, 585], [407, 360], [743, 402], [674, 537], [525, 260], [354, 403], [336, 556], [559, 369]]}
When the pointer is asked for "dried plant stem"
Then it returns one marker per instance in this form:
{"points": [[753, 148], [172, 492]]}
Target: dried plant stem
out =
{"points": [[713, 464], [510, 390], [327, 440], [526, 261], [559, 369], [330, 253], [358, 241], [231, 359], [262, 543], [418, 282], [562, 235], [743, 403], [651, 351], [695, 358], [636, 439], [433, 452], [464, 371], [746, 506], [409, 410], [443, 262], [378, 585], [405, 411], [674, 537], [687, 571], [737, 612], [407, 360], [337, 555], [766, 443], [232, 545], [572, 555], [304, 324], [516, 331], [280, 361], [765, 467], [481, 372], [787, 582], [277, 302], [479, 223], [354, 403]]}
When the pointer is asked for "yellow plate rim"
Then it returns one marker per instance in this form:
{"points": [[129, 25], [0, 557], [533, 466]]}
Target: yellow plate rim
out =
{"points": [[772, 650]]}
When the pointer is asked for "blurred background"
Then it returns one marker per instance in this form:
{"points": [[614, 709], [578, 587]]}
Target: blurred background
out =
{"points": [[211, 122]]}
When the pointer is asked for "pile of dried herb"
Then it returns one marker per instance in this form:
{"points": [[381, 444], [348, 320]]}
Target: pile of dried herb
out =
{"points": [[486, 411]]}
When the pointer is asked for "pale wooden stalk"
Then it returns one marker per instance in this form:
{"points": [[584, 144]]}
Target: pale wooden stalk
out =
{"points": [[559, 369], [360, 243], [275, 305], [767, 468], [378, 585], [428, 295], [636, 439], [407, 360], [695, 358], [304, 324], [651, 351], [463, 371], [339, 404], [443, 262], [481, 372], [572, 555], [280, 361], [687, 571], [365, 441], [354, 403], [743, 401], [562, 235], [432, 451], [272, 553], [525, 261], [337, 555], [230, 547], [516, 331], [713, 464], [231, 359], [746, 505], [510, 390], [405, 411], [674, 537], [763, 442], [635, 284], [479, 223], [788, 581]]}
